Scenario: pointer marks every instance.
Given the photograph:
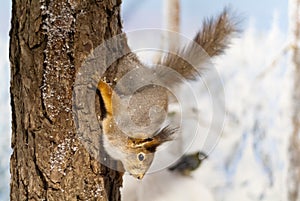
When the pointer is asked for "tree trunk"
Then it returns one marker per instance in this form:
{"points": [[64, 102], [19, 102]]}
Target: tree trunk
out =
{"points": [[49, 40], [172, 22], [294, 146]]}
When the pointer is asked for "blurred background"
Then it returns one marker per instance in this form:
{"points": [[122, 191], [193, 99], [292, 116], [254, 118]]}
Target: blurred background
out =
{"points": [[250, 161]]}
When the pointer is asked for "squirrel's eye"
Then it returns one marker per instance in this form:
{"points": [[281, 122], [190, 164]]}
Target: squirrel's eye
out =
{"points": [[141, 156]]}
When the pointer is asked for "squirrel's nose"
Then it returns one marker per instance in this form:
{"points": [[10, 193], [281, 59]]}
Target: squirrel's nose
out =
{"points": [[138, 176]]}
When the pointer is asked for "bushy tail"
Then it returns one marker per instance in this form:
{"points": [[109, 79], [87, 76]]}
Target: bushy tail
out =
{"points": [[213, 39], [215, 33]]}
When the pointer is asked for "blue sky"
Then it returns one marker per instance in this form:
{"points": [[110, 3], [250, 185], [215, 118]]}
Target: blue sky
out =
{"points": [[5, 10], [148, 13]]}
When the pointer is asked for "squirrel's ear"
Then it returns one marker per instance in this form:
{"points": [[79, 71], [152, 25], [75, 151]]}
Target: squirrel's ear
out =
{"points": [[106, 94], [162, 136]]}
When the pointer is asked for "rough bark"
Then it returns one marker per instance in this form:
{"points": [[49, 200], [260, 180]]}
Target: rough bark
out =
{"points": [[49, 40], [294, 146]]}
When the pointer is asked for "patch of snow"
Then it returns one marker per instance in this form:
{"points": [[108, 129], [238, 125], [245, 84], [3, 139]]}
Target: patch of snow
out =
{"points": [[250, 160]]}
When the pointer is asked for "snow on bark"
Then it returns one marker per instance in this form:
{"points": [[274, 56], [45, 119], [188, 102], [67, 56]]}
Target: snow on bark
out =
{"points": [[58, 78], [58, 25]]}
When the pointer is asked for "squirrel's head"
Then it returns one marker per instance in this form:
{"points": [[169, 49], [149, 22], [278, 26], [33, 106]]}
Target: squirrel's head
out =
{"points": [[140, 153], [136, 154], [136, 160]]}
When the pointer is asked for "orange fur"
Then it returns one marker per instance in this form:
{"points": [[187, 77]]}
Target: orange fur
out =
{"points": [[106, 93]]}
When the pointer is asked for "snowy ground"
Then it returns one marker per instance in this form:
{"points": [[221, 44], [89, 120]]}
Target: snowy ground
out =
{"points": [[250, 160]]}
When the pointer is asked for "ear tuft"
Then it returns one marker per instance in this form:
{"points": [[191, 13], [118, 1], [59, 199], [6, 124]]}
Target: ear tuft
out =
{"points": [[165, 134], [160, 137]]}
